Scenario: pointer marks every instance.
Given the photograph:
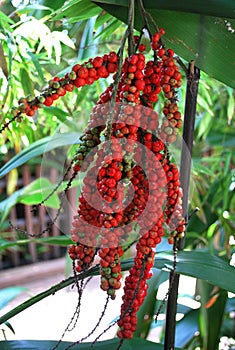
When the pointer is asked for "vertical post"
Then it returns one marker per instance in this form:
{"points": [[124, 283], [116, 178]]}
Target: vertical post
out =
{"points": [[193, 76]]}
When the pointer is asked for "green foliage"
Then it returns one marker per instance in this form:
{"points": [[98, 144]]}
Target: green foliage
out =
{"points": [[200, 264], [200, 38], [46, 39], [38, 148], [213, 303], [62, 241], [134, 344]]}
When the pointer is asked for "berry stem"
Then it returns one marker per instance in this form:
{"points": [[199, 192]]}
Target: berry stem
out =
{"points": [[144, 18], [131, 44]]}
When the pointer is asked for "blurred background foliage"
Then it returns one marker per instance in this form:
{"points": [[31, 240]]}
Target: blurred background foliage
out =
{"points": [[41, 39]]}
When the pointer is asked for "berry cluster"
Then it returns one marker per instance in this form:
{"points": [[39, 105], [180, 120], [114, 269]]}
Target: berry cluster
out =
{"points": [[80, 75], [154, 203], [134, 187]]}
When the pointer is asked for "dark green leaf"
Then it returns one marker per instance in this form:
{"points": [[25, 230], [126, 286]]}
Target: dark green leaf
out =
{"points": [[196, 264], [200, 264], [194, 34], [217, 8], [38, 148], [10, 327], [9, 293]]}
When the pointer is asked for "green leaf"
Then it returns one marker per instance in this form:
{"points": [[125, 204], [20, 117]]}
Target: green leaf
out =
{"points": [[30, 8], [203, 103], [62, 241], [37, 191], [200, 264], [33, 193], [4, 18], [109, 29], [199, 168], [37, 66], [133, 344], [191, 263], [38, 148], [10, 327], [9, 293], [194, 30], [219, 8], [231, 105], [77, 11], [101, 19], [26, 82]]}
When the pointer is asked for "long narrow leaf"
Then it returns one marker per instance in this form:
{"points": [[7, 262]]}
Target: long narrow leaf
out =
{"points": [[200, 264], [38, 148], [192, 31], [62, 241], [197, 264]]}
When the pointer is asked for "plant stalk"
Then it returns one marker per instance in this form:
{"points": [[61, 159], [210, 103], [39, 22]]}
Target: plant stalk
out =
{"points": [[193, 76], [93, 271]]}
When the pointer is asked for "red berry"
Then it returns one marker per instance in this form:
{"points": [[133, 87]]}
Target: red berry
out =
{"points": [[30, 113], [97, 62], [142, 47], [61, 91], [69, 87], [155, 37], [112, 57], [48, 101], [133, 59], [102, 72], [82, 73], [55, 96], [140, 84], [79, 82], [76, 67]]}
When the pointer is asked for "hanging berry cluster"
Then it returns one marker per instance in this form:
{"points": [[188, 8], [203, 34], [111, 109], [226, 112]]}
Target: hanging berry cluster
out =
{"points": [[133, 188], [80, 75], [133, 121]]}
